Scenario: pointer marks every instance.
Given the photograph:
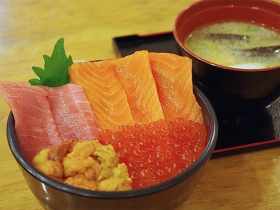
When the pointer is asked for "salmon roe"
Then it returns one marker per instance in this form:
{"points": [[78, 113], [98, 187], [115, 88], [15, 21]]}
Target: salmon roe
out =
{"points": [[159, 151]]}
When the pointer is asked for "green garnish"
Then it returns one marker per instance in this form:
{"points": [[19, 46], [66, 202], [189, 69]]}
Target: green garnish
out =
{"points": [[55, 73]]}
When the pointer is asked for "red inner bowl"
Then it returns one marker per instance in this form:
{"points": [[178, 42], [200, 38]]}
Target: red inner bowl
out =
{"points": [[205, 12]]}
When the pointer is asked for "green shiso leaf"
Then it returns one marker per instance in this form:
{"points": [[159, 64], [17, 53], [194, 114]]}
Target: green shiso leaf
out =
{"points": [[55, 72]]}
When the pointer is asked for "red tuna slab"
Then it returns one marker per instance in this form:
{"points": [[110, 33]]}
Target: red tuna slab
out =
{"points": [[72, 113], [34, 122]]}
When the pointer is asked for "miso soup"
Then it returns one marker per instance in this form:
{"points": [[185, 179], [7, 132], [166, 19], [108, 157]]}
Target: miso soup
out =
{"points": [[236, 44]]}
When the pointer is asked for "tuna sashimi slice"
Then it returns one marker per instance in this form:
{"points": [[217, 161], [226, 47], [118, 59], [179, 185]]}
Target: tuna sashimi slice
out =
{"points": [[72, 113], [134, 72], [104, 91], [173, 76], [34, 122]]}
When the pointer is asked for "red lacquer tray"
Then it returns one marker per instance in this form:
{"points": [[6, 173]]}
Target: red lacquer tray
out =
{"points": [[238, 132]]}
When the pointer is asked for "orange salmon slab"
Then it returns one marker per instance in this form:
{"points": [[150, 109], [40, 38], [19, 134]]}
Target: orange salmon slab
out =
{"points": [[134, 72], [173, 76], [104, 92]]}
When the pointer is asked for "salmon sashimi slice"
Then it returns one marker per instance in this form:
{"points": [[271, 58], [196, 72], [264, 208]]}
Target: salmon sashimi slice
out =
{"points": [[34, 122], [72, 113], [173, 76], [104, 92], [134, 72]]}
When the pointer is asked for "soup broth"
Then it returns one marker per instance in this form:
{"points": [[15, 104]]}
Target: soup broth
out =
{"points": [[231, 43]]}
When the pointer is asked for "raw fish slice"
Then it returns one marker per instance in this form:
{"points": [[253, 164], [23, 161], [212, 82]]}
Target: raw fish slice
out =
{"points": [[173, 76], [134, 72], [104, 92], [34, 122], [72, 113]]}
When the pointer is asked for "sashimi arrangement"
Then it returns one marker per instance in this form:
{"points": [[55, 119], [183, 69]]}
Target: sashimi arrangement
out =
{"points": [[142, 105]]}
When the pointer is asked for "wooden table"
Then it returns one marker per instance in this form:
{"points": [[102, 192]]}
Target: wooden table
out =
{"points": [[29, 29]]}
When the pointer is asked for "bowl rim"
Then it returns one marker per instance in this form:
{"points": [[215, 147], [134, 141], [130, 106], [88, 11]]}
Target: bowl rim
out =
{"points": [[228, 4], [44, 179]]}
